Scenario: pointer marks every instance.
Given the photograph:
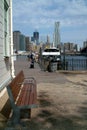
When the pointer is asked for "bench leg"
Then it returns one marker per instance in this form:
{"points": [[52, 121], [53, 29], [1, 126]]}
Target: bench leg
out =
{"points": [[29, 113], [15, 116], [25, 113]]}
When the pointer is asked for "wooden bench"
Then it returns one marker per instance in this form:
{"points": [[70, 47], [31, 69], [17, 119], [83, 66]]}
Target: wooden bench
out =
{"points": [[23, 96]]}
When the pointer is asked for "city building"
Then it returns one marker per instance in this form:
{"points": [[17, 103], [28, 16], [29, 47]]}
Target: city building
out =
{"points": [[85, 44], [36, 37], [22, 45], [27, 40], [76, 48], [84, 48], [69, 46], [19, 41], [48, 40], [32, 39], [56, 35], [16, 40]]}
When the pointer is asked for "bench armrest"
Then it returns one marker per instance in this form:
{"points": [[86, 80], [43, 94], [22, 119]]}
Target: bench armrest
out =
{"points": [[30, 80]]}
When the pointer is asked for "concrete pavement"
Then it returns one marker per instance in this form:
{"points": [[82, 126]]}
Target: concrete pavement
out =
{"points": [[61, 97]]}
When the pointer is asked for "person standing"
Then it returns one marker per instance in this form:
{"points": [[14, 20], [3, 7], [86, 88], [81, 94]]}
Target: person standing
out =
{"points": [[31, 61]]}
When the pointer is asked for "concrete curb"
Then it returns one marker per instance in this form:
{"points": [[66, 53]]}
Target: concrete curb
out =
{"points": [[72, 72]]}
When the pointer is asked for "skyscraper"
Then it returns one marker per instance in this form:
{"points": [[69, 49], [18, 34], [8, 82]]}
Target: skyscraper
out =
{"points": [[56, 35], [16, 40], [48, 39], [36, 37], [22, 45]]}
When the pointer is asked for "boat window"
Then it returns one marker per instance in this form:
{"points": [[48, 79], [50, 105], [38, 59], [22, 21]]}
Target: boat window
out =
{"points": [[51, 50]]}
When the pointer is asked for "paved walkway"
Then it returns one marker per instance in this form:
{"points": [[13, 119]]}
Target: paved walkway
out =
{"points": [[62, 100], [40, 75]]}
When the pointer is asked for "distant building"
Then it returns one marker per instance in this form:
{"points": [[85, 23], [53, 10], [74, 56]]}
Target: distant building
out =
{"points": [[16, 40], [22, 44], [76, 48], [85, 43], [69, 46], [61, 47], [48, 40], [19, 41], [36, 37], [27, 40], [32, 39], [56, 35]]}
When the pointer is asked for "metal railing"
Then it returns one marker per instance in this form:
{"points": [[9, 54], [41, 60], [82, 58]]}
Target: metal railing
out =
{"points": [[74, 64], [65, 63]]}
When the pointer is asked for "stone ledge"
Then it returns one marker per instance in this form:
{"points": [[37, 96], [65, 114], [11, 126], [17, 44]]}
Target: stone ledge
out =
{"points": [[72, 72]]}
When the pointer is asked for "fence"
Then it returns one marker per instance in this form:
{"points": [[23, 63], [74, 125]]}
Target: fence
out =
{"points": [[74, 64], [64, 64]]}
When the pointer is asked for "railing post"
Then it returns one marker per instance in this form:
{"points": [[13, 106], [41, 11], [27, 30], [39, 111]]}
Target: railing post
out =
{"points": [[86, 64], [64, 57], [72, 64]]}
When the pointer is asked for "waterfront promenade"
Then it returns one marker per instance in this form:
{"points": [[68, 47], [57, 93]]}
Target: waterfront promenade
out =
{"points": [[62, 99]]}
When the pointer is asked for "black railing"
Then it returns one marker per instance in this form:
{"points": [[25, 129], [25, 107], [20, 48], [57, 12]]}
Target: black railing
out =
{"points": [[70, 63], [74, 64], [21, 57]]}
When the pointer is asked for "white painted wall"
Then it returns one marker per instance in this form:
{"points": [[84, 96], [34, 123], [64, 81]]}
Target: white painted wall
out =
{"points": [[6, 62]]}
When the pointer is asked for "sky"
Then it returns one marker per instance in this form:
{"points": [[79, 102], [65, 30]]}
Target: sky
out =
{"points": [[41, 15]]}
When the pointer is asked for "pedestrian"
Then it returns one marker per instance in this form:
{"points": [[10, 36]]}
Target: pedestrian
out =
{"points": [[32, 61]]}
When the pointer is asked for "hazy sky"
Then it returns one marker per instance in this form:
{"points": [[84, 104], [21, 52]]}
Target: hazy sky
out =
{"points": [[40, 15]]}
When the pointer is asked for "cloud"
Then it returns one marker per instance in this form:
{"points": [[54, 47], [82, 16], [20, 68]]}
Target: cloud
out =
{"points": [[42, 11], [42, 14]]}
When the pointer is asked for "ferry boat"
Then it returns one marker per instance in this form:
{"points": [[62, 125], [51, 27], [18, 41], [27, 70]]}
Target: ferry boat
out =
{"points": [[52, 54]]}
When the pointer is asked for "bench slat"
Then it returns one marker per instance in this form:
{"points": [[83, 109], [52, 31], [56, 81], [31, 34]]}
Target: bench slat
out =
{"points": [[27, 96], [15, 85]]}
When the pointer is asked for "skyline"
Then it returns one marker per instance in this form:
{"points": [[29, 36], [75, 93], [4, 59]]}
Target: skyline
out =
{"points": [[41, 15]]}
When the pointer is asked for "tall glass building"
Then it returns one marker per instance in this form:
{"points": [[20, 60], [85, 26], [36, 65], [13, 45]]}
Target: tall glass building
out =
{"points": [[56, 35], [36, 37]]}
